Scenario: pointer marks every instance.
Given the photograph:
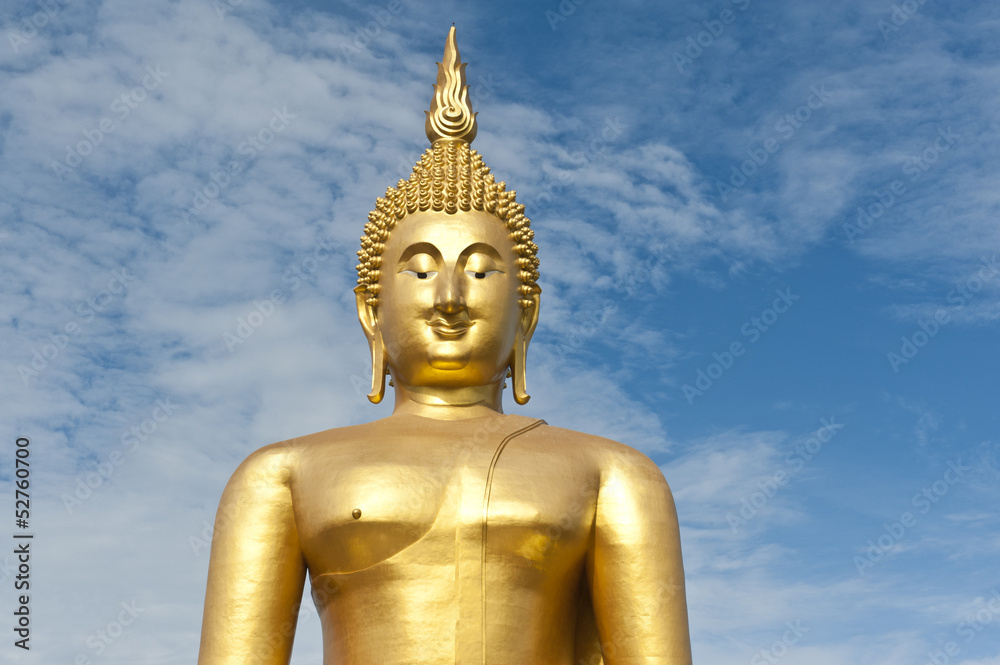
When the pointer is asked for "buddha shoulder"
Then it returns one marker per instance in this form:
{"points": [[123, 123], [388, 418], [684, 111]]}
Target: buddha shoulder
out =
{"points": [[268, 467], [278, 464], [611, 459]]}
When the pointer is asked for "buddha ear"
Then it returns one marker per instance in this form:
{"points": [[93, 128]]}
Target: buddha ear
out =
{"points": [[368, 316], [519, 356]]}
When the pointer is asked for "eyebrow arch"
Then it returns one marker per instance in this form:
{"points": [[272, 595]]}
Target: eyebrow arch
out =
{"points": [[420, 248], [481, 248]]}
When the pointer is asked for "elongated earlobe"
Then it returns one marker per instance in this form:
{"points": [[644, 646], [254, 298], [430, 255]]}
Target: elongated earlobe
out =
{"points": [[368, 317], [378, 370], [518, 370], [519, 356]]}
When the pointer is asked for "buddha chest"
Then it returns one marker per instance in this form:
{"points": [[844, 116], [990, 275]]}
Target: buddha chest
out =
{"points": [[476, 537], [508, 493]]}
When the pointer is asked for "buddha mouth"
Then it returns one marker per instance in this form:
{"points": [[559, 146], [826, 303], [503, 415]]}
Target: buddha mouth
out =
{"points": [[449, 328]]}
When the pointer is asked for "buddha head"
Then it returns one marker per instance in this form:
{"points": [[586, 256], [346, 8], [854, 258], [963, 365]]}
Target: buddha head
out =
{"points": [[447, 276]]}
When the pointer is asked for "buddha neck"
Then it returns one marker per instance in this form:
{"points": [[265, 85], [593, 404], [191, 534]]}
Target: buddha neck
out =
{"points": [[448, 403]]}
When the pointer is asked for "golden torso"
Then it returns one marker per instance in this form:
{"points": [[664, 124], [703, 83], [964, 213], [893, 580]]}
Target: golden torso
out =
{"points": [[402, 582], [494, 540], [432, 537]]}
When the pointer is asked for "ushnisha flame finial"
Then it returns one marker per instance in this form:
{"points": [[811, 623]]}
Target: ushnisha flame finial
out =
{"points": [[451, 115]]}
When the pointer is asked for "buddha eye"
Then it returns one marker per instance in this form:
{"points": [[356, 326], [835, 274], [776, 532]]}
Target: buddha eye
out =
{"points": [[420, 274], [420, 264], [482, 263]]}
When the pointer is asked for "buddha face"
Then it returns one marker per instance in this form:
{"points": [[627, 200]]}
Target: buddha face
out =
{"points": [[448, 311]]}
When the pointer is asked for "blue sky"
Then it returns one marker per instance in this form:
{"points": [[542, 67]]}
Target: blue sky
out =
{"points": [[775, 198]]}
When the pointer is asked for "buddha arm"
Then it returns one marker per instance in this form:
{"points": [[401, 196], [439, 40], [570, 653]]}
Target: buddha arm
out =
{"points": [[634, 567], [256, 571]]}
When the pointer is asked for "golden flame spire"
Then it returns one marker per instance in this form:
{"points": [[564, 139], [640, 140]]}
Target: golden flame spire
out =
{"points": [[451, 115]]}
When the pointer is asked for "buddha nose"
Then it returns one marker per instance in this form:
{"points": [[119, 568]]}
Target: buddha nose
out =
{"points": [[448, 299]]}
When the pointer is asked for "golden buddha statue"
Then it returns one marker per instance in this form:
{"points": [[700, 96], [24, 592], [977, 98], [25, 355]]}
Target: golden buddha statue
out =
{"points": [[449, 532]]}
